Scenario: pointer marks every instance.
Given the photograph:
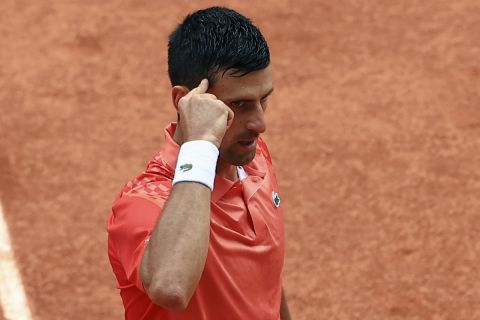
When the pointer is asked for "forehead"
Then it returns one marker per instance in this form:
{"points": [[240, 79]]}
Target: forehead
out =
{"points": [[251, 86]]}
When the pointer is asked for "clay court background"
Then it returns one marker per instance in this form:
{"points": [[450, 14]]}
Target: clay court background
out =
{"points": [[374, 128]]}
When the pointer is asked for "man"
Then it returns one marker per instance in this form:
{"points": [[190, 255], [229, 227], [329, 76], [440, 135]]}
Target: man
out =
{"points": [[199, 234]]}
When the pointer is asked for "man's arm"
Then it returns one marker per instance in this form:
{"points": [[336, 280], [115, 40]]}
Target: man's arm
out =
{"points": [[175, 256], [284, 312]]}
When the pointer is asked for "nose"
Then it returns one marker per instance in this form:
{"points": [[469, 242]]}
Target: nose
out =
{"points": [[256, 119]]}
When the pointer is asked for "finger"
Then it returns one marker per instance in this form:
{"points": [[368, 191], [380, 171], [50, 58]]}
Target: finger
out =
{"points": [[202, 88], [230, 117]]}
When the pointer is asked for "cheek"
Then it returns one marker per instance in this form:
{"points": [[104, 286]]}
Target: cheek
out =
{"points": [[234, 128], [229, 135], [237, 123]]}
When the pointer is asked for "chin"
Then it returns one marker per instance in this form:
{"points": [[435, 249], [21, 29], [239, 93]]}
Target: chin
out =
{"points": [[238, 160], [245, 160]]}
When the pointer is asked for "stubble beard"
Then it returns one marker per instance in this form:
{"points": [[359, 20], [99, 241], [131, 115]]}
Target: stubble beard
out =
{"points": [[236, 159]]}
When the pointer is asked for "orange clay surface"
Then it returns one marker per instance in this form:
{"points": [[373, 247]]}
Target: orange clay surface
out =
{"points": [[374, 128]]}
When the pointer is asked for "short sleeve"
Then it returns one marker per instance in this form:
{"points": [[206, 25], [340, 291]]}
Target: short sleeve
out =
{"points": [[129, 228]]}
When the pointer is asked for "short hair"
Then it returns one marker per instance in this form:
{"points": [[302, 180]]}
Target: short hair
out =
{"points": [[214, 40]]}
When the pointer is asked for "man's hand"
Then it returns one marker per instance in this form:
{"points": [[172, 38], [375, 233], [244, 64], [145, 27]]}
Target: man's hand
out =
{"points": [[203, 116]]}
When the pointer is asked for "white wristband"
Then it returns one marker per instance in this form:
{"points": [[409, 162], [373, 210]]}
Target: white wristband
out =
{"points": [[197, 161]]}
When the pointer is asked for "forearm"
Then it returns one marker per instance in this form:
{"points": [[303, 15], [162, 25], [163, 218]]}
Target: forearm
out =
{"points": [[284, 312], [175, 256]]}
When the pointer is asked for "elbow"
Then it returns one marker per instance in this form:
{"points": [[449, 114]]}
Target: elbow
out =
{"points": [[169, 297], [170, 294]]}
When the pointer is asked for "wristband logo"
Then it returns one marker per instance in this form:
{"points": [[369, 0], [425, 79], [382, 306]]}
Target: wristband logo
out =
{"points": [[186, 167]]}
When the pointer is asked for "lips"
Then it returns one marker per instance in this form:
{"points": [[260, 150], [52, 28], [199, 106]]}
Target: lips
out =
{"points": [[246, 142], [248, 145]]}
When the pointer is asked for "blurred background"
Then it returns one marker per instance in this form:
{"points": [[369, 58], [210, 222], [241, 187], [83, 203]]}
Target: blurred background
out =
{"points": [[374, 129]]}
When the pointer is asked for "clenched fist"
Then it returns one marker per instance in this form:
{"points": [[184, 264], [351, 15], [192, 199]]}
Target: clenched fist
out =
{"points": [[203, 116]]}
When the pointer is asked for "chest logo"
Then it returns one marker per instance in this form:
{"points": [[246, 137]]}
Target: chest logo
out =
{"points": [[275, 199]]}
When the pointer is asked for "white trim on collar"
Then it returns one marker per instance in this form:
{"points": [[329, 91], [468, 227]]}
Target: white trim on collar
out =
{"points": [[242, 174]]}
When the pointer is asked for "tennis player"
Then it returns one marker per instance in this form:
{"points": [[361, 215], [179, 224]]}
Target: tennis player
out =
{"points": [[200, 233]]}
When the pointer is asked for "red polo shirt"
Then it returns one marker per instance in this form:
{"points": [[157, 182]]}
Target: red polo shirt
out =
{"points": [[242, 275]]}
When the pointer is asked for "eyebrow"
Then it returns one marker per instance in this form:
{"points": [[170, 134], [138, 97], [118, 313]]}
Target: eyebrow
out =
{"points": [[247, 100]]}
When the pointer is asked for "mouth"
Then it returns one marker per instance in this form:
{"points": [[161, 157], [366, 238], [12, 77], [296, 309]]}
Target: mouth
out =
{"points": [[249, 144], [246, 143]]}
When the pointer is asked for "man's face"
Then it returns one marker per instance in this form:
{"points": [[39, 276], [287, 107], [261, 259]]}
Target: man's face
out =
{"points": [[247, 96]]}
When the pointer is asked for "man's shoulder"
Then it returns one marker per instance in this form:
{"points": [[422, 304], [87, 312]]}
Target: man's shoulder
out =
{"points": [[155, 182], [153, 187]]}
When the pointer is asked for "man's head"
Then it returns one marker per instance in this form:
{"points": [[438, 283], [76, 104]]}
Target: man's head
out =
{"points": [[226, 48], [212, 41]]}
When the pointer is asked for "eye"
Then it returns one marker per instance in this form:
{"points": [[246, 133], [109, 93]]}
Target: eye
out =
{"points": [[238, 104]]}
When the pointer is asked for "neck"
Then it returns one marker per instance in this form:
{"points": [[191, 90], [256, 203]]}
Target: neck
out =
{"points": [[226, 170]]}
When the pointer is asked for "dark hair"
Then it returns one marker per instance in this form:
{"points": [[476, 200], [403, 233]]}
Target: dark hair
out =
{"points": [[214, 40]]}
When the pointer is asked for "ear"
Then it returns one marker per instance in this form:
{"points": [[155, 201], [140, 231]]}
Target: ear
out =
{"points": [[178, 92]]}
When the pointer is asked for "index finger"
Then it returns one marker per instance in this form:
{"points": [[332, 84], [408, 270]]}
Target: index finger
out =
{"points": [[202, 88]]}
